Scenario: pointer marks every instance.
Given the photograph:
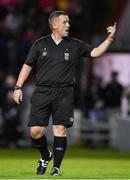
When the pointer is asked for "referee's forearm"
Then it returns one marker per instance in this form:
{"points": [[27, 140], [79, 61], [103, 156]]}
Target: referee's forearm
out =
{"points": [[101, 49], [23, 75]]}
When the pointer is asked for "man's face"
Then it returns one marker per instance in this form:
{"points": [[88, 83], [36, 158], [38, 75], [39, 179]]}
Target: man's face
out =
{"points": [[61, 25]]}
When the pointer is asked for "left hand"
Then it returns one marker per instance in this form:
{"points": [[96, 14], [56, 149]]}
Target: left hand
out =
{"points": [[111, 30]]}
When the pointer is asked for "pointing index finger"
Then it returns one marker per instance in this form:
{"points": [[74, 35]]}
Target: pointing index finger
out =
{"points": [[115, 24]]}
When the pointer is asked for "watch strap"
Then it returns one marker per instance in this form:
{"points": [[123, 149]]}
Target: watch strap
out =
{"points": [[16, 87]]}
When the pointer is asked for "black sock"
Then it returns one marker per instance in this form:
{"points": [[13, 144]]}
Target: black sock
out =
{"points": [[59, 147], [41, 145]]}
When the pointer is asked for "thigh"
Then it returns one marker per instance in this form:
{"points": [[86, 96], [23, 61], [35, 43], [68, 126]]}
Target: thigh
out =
{"points": [[62, 107], [40, 108]]}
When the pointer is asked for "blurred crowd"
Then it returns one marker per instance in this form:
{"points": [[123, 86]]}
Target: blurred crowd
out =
{"points": [[100, 98], [21, 23]]}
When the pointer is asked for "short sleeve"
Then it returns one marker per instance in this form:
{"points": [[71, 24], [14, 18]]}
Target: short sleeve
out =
{"points": [[32, 55], [84, 49]]}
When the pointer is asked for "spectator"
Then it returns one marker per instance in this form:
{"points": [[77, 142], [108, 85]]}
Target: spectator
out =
{"points": [[113, 91], [125, 102], [13, 20], [47, 6], [11, 114], [95, 100], [1, 87], [33, 18]]}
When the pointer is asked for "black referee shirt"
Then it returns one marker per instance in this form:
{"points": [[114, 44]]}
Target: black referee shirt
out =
{"points": [[54, 63]]}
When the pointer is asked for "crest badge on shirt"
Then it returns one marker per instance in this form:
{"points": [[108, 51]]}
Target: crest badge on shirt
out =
{"points": [[66, 55], [44, 53]]}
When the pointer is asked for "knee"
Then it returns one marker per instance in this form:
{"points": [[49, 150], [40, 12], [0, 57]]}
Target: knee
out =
{"points": [[36, 132], [59, 130]]}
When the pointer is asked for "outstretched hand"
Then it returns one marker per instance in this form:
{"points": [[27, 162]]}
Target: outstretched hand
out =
{"points": [[111, 30]]}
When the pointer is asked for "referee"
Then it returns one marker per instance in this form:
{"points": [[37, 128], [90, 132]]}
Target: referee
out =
{"points": [[55, 57]]}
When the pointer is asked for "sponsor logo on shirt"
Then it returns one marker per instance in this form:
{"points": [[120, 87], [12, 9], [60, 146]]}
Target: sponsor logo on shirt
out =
{"points": [[44, 53], [71, 119]]}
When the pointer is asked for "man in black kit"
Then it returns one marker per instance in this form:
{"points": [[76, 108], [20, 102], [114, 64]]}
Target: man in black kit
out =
{"points": [[55, 57]]}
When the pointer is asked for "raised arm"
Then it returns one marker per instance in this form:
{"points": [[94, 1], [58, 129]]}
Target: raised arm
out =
{"points": [[23, 75], [98, 51]]}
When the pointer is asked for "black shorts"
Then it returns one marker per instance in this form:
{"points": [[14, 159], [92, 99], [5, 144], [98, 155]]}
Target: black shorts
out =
{"points": [[58, 102]]}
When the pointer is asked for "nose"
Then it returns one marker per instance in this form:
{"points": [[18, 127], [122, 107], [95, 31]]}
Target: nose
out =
{"points": [[68, 25]]}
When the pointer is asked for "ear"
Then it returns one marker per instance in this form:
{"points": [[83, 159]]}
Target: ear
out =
{"points": [[54, 24]]}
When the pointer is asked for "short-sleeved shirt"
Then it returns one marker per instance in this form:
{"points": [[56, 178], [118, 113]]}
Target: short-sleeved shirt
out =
{"points": [[55, 64]]}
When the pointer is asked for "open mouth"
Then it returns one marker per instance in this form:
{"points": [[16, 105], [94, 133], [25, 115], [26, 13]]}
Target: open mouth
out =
{"points": [[67, 30]]}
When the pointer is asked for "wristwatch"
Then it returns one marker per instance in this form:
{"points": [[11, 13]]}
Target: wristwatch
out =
{"points": [[16, 87]]}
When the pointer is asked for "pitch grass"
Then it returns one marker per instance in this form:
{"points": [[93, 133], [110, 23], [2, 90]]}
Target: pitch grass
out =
{"points": [[78, 163]]}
